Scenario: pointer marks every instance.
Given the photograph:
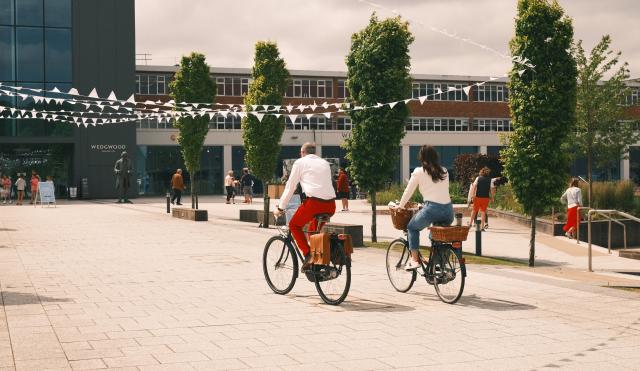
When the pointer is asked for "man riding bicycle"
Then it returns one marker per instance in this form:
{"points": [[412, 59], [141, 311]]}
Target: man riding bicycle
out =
{"points": [[314, 175]]}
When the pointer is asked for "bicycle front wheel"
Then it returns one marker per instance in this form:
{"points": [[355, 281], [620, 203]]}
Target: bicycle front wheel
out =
{"points": [[280, 265], [447, 275], [333, 281], [397, 257]]}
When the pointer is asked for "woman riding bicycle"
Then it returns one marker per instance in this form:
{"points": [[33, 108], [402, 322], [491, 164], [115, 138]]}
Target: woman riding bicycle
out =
{"points": [[433, 182]]}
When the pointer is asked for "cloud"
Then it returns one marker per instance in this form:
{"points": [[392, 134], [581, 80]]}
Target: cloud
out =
{"points": [[315, 35]]}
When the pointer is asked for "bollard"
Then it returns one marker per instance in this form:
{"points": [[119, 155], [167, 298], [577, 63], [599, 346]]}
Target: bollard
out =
{"points": [[168, 203], [478, 238]]}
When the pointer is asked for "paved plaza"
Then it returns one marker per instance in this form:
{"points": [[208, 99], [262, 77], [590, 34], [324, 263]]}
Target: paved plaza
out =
{"points": [[96, 285]]}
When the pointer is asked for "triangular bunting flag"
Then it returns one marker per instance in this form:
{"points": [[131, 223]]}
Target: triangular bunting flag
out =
{"points": [[393, 104], [293, 118], [466, 90], [327, 115], [259, 116], [94, 93], [422, 99], [309, 116], [73, 91], [132, 99]]}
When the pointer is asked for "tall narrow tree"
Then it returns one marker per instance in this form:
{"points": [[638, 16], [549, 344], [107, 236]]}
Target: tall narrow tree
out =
{"points": [[262, 133], [601, 134], [193, 84], [542, 102], [378, 71]]}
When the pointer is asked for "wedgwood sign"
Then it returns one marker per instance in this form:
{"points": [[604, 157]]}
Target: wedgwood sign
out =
{"points": [[109, 148]]}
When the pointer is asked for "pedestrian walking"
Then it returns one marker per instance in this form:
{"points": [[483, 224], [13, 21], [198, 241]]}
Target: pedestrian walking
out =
{"points": [[480, 194], [177, 185], [229, 182], [573, 198], [35, 181], [343, 189], [6, 189], [246, 182], [21, 184]]}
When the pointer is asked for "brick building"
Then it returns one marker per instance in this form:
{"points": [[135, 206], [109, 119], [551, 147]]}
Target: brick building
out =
{"points": [[452, 121]]}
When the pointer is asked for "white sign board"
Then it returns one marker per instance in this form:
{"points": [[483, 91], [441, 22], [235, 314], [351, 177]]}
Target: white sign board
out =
{"points": [[46, 191]]}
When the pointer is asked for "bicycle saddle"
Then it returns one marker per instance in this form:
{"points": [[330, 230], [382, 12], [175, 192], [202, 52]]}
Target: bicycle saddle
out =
{"points": [[441, 224], [322, 217]]}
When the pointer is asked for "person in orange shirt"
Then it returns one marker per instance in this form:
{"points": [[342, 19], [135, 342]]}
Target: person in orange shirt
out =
{"points": [[177, 184], [35, 180], [343, 189]]}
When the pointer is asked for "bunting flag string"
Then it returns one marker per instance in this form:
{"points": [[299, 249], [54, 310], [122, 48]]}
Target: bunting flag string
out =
{"points": [[105, 109]]}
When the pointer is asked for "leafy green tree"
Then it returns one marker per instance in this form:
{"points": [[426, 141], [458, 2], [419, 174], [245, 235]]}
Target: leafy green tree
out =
{"points": [[262, 135], [378, 71], [193, 84], [601, 136], [542, 102]]}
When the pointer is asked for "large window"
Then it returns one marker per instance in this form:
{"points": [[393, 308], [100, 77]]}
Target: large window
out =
{"points": [[30, 54], [439, 91], [343, 90], [633, 99], [29, 13], [303, 123], [229, 122], [6, 12], [149, 84], [437, 124], [57, 53], [232, 86], [492, 93], [491, 125], [57, 13], [303, 88], [343, 123], [7, 66]]}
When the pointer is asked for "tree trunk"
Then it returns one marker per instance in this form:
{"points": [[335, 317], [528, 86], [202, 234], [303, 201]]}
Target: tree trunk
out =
{"points": [[532, 242], [192, 176], [589, 173], [265, 221], [374, 237]]}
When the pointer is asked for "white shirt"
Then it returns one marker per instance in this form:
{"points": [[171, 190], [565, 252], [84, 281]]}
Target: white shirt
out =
{"points": [[314, 175], [437, 192], [228, 181], [573, 197]]}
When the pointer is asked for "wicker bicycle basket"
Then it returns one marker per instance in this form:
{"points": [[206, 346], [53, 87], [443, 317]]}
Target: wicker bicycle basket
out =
{"points": [[449, 234], [401, 217]]}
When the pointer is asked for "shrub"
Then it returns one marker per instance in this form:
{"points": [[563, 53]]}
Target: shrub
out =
{"points": [[467, 166], [506, 200], [611, 195]]}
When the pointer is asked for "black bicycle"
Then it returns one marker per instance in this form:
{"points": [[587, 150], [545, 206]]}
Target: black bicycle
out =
{"points": [[281, 258], [445, 268]]}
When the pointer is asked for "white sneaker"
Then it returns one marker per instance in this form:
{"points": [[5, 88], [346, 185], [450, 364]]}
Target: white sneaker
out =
{"points": [[411, 265]]}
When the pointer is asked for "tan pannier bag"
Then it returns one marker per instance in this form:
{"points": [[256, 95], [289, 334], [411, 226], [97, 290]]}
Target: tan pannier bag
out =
{"points": [[321, 248]]}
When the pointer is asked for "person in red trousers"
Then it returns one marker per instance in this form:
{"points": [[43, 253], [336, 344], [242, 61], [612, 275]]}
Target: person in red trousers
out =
{"points": [[314, 176]]}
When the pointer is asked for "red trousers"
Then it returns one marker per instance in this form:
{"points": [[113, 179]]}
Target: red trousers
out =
{"points": [[305, 214], [572, 215]]}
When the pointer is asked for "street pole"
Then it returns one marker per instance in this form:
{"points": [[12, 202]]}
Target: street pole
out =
{"points": [[478, 238]]}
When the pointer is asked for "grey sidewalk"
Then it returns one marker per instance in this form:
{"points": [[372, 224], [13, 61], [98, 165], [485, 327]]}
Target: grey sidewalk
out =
{"points": [[94, 286]]}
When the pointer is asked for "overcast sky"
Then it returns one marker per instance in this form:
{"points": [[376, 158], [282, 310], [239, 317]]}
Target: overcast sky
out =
{"points": [[315, 35]]}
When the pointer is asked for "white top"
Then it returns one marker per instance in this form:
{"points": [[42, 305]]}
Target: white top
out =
{"points": [[572, 196], [435, 192], [314, 175], [228, 181], [21, 184]]}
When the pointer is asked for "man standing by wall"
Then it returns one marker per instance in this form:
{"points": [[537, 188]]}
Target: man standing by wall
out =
{"points": [[177, 185]]}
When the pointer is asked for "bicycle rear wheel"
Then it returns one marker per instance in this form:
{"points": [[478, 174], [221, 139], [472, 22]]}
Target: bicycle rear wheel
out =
{"points": [[397, 257], [447, 274], [280, 265], [333, 281]]}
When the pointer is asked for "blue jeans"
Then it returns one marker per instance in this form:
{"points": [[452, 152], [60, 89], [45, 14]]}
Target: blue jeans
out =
{"points": [[430, 213]]}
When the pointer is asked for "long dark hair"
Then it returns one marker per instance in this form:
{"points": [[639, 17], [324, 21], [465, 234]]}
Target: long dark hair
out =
{"points": [[431, 163]]}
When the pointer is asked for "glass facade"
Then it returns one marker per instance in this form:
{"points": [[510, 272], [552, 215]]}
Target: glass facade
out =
{"points": [[54, 160], [156, 164], [36, 53]]}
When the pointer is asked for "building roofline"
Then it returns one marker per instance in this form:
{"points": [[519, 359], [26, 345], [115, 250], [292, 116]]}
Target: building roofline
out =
{"points": [[311, 73]]}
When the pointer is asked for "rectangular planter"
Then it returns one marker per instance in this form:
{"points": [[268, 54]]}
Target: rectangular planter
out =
{"points": [[275, 190], [198, 215], [257, 216]]}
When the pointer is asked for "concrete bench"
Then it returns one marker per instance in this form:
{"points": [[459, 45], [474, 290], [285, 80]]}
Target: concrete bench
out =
{"points": [[257, 216], [198, 215]]}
